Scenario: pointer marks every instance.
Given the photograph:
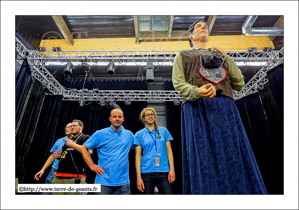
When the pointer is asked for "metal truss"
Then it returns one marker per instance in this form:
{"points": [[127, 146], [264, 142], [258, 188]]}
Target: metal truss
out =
{"points": [[258, 81], [124, 57], [120, 95], [40, 72], [37, 61]]}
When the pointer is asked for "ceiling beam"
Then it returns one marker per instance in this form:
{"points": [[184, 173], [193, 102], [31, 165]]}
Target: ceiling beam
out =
{"points": [[136, 26], [211, 21], [235, 42], [170, 25], [63, 29], [279, 24]]}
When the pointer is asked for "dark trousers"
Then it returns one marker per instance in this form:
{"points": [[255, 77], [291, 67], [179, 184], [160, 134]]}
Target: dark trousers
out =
{"points": [[160, 179], [117, 190]]}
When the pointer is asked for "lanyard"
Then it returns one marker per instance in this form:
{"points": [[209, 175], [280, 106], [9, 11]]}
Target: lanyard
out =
{"points": [[153, 138], [77, 138]]}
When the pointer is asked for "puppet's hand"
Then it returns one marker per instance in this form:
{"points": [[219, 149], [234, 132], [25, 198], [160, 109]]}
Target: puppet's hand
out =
{"points": [[207, 91]]}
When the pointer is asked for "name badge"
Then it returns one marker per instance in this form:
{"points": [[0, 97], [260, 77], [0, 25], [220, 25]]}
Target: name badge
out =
{"points": [[157, 157]]}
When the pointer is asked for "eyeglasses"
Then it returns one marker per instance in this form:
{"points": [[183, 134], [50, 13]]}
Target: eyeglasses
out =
{"points": [[67, 127], [147, 115], [75, 125]]}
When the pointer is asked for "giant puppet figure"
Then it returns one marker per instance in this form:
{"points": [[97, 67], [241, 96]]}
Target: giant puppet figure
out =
{"points": [[217, 156]]}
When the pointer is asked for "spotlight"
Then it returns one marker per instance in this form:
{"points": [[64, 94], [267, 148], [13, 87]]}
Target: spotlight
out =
{"points": [[41, 49], [56, 49], [85, 66], [68, 69], [111, 68], [150, 72], [176, 102], [102, 103], [252, 49], [112, 104], [81, 103], [127, 102], [267, 49]]}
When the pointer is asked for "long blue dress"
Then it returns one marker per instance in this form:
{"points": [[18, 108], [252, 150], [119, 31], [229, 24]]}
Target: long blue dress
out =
{"points": [[217, 156]]}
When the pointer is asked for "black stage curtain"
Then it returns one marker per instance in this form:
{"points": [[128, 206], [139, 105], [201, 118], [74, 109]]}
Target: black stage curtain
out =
{"points": [[23, 83], [55, 114], [33, 151], [262, 116], [29, 100], [173, 117]]}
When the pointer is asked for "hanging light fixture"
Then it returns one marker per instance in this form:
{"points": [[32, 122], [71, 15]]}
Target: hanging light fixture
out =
{"points": [[111, 68], [68, 69]]}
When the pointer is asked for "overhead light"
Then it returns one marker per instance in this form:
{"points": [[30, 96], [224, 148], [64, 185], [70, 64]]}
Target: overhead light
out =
{"points": [[41, 49], [102, 103], [267, 49], [111, 68], [68, 69], [176, 102], [252, 49], [56, 49], [113, 105], [251, 63], [81, 103], [150, 72], [128, 102], [85, 66]]}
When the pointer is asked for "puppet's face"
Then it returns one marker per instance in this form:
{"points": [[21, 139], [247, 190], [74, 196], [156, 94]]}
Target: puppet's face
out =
{"points": [[200, 32]]}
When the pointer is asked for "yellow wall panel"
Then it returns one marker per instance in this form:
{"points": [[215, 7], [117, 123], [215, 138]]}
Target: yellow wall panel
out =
{"points": [[238, 42]]}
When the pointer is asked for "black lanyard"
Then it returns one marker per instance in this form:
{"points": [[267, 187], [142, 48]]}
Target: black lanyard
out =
{"points": [[77, 138], [155, 142]]}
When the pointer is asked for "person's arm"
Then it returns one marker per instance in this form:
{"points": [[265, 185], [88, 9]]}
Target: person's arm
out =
{"points": [[171, 174], [188, 91], [75, 146], [48, 163], [87, 158], [140, 184]]}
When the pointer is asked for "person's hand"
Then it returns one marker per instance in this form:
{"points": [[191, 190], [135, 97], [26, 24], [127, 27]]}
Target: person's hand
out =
{"points": [[56, 155], [140, 185], [38, 175], [171, 176], [218, 49], [69, 143], [97, 169], [207, 91]]}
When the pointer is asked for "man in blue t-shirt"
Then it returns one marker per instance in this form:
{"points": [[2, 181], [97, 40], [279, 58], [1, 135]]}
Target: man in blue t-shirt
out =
{"points": [[58, 144], [113, 145]]}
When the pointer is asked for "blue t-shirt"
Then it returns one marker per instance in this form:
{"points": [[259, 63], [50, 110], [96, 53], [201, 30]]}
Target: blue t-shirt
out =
{"points": [[113, 149], [145, 139], [59, 143]]}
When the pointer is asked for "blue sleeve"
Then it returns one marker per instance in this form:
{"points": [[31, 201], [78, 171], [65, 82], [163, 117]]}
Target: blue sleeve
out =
{"points": [[57, 144], [137, 139], [167, 135], [94, 141]]}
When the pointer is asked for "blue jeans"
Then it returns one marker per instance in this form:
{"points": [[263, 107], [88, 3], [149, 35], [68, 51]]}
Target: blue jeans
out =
{"points": [[49, 179], [116, 190], [160, 179]]}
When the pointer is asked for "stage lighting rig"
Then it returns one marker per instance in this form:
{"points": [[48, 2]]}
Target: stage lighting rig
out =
{"points": [[150, 72], [111, 68], [68, 69]]}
